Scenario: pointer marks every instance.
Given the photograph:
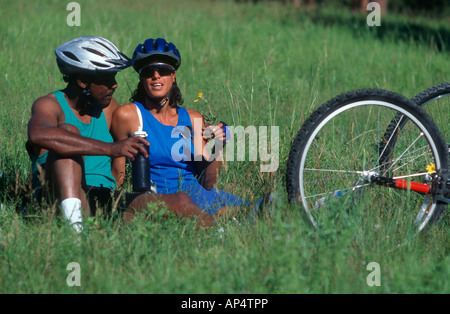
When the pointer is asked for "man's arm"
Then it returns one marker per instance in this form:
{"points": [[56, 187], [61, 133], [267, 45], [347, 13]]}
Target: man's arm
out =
{"points": [[44, 132]]}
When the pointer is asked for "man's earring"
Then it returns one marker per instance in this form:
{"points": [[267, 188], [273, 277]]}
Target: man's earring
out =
{"points": [[86, 92]]}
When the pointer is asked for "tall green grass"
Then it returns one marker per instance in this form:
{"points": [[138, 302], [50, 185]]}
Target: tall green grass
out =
{"points": [[256, 65]]}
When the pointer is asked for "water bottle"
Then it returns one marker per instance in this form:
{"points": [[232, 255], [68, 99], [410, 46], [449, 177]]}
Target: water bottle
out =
{"points": [[140, 168], [321, 202]]}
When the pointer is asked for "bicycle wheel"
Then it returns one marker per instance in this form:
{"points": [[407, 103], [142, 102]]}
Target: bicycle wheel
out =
{"points": [[436, 102], [337, 154]]}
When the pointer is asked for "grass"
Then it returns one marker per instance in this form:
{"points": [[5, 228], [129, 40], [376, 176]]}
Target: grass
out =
{"points": [[256, 65]]}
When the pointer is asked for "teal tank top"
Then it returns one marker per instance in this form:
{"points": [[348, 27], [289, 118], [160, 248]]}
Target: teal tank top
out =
{"points": [[97, 168]]}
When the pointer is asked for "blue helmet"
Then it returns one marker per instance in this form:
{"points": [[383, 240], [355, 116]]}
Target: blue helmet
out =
{"points": [[156, 49]]}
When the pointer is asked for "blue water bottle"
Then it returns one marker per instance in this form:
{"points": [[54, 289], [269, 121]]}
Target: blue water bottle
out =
{"points": [[140, 168]]}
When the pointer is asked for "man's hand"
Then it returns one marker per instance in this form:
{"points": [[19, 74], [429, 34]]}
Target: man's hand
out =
{"points": [[129, 147]]}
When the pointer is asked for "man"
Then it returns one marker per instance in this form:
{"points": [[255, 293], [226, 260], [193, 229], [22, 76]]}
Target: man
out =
{"points": [[68, 136]]}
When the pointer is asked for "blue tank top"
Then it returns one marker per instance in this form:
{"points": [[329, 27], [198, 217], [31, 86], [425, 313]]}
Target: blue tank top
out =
{"points": [[171, 151], [172, 162]]}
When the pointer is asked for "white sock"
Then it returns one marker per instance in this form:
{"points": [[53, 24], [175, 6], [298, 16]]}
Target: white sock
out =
{"points": [[72, 212]]}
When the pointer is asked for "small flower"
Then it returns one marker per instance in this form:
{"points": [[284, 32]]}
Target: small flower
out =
{"points": [[200, 96], [431, 168], [209, 118]]}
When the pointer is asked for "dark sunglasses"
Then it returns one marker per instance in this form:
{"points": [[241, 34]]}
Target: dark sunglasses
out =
{"points": [[163, 69]]}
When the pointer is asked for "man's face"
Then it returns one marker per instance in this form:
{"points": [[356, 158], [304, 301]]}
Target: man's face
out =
{"points": [[102, 89]]}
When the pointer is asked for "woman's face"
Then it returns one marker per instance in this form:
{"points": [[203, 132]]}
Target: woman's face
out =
{"points": [[158, 79]]}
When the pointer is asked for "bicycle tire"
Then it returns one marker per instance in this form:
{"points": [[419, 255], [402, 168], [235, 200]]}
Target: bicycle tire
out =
{"points": [[434, 96], [436, 99], [337, 124], [432, 93], [433, 99]]}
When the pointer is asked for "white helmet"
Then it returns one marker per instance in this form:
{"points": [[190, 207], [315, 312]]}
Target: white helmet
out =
{"points": [[90, 55]]}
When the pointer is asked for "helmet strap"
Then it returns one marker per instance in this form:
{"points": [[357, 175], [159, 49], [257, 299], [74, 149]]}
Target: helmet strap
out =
{"points": [[87, 96], [167, 98]]}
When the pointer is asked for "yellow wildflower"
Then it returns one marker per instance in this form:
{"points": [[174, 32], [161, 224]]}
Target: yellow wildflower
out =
{"points": [[431, 168], [200, 95]]}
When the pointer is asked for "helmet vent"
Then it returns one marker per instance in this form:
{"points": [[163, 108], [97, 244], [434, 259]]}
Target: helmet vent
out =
{"points": [[155, 45], [98, 53], [99, 64], [115, 62], [106, 47], [70, 55]]}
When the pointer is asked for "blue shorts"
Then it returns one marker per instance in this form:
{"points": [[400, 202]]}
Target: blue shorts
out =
{"points": [[212, 200]]}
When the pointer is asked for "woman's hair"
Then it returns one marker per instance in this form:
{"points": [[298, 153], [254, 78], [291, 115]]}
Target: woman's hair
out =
{"points": [[176, 98]]}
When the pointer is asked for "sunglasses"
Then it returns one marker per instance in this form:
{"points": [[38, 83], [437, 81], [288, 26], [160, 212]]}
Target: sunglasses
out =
{"points": [[163, 69]]}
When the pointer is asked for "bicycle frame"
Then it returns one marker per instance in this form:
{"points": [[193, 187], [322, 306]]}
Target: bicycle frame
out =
{"points": [[439, 188]]}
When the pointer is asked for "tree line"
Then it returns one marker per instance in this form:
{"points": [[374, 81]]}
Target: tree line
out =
{"points": [[409, 7]]}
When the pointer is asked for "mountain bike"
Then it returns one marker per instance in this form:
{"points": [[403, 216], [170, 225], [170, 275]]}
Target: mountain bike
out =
{"points": [[370, 151], [436, 102]]}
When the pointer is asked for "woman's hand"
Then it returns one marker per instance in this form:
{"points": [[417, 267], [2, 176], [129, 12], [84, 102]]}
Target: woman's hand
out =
{"points": [[218, 132]]}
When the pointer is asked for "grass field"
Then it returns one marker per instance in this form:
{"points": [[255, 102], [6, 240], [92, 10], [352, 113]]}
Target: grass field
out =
{"points": [[260, 65]]}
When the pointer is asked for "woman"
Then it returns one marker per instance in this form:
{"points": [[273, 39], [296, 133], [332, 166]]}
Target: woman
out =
{"points": [[179, 161]]}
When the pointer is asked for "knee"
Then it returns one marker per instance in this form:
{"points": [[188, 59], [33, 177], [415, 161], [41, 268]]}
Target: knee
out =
{"points": [[183, 200]]}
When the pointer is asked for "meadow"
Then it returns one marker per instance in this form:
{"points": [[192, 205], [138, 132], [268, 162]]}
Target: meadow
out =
{"points": [[256, 65]]}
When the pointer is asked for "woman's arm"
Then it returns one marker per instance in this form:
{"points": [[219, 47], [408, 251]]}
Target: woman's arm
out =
{"points": [[123, 124], [209, 165]]}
